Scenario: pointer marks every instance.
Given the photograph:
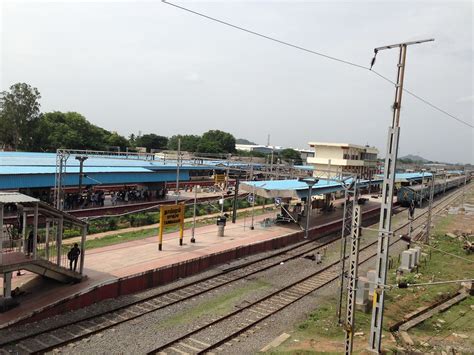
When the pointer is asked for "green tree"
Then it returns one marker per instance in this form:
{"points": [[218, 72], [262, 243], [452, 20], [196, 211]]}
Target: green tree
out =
{"points": [[291, 155], [19, 114], [189, 142], [151, 141], [116, 140], [69, 130], [215, 141]]}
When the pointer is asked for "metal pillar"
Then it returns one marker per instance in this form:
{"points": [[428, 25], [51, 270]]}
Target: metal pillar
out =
{"points": [[430, 207], [352, 282], [236, 194], [193, 239], [46, 241], [349, 192], [308, 213], [177, 170], [81, 159], [385, 223], [7, 284], [83, 249], [253, 198], [23, 233], [61, 160]]}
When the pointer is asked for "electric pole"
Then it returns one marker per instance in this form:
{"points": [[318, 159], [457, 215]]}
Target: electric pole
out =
{"points": [[430, 207], [352, 282], [385, 231], [349, 201]]}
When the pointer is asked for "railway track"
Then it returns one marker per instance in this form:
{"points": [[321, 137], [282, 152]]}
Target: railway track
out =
{"points": [[66, 333], [60, 335], [240, 322]]}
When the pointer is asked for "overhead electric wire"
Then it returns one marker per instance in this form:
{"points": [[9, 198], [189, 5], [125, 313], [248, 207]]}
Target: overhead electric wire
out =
{"points": [[343, 61]]}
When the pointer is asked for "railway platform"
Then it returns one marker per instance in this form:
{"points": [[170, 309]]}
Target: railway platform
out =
{"points": [[136, 265]]}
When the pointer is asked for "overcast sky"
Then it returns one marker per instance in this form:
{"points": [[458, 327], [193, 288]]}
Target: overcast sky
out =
{"points": [[149, 67]]}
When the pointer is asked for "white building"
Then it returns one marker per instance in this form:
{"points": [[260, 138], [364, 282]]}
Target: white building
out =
{"points": [[337, 159], [265, 149]]}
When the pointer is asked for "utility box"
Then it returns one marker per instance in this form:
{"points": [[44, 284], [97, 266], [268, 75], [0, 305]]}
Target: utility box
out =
{"points": [[221, 222], [371, 276], [406, 261], [362, 295]]}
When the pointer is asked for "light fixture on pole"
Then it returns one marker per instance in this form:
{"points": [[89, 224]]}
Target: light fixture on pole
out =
{"points": [[81, 159], [310, 182]]}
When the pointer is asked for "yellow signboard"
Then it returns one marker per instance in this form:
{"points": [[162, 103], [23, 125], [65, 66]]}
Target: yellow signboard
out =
{"points": [[171, 215], [219, 178]]}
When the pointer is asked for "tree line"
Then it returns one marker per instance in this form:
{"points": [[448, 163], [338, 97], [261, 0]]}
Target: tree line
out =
{"points": [[24, 127]]}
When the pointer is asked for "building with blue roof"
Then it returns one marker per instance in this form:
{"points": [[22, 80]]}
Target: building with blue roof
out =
{"points": [[26, 170]]}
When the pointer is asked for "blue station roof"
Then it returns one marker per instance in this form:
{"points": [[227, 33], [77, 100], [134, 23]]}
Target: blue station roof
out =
{"points": [[295, 188], [34, 170], [404, 177]]}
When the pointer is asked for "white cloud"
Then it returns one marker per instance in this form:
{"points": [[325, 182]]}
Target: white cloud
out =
{"points": [[192, 77], [466, 99]]}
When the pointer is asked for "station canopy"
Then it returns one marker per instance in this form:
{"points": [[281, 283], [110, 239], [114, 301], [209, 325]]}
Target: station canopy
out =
{"points": [[297, 189]]}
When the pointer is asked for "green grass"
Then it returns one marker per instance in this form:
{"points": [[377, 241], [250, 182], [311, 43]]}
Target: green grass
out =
{"points": [[216, 306]]}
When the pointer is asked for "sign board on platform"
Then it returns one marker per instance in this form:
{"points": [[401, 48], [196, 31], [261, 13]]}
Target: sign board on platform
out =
{"points": [[277, 201], [219, 178], [250, 198], [171, 215]]}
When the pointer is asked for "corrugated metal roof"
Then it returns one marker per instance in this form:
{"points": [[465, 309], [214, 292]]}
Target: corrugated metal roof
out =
{"points": [[9, 170], [15, 197]]}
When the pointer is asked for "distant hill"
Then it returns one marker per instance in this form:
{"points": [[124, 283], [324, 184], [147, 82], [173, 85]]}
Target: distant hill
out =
{"points": [[413, 158], [244, 141]]}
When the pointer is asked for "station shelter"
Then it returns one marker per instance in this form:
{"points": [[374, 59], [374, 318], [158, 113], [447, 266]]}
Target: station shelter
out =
{"points": [[32, 241]]}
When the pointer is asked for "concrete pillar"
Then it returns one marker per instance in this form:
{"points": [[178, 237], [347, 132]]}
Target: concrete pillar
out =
{"points": [[362, 294], [83, 249], [35, 232], [371, 276], [7, 284], [220, 230], [59, 240], [406, 262], [418, 255], [413, 258]]}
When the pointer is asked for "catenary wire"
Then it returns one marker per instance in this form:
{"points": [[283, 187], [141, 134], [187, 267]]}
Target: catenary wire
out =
{"points": [[318, 54]]}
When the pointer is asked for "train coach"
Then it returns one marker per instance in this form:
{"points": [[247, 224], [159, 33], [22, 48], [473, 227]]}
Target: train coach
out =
{"points": [[418, 193]]}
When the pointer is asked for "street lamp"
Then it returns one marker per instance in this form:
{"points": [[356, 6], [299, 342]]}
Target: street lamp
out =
{"points": [[310, 182], [81, 159]]}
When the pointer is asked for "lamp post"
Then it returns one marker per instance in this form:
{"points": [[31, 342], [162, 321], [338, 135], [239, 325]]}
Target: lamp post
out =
{"points": [[310, 182], [81, 159]]}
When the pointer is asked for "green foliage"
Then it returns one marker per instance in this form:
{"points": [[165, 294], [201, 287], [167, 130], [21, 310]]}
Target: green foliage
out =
{"points": [[291, 155], [19, 114], [151, 141], [70, 130], [215, 141], [189, 142], [116, 140]]}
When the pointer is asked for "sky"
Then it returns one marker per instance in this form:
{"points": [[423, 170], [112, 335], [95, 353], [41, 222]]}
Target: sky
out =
{"points": [[148, 67]]}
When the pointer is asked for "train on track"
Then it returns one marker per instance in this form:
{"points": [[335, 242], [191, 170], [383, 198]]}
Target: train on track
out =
{"points": [[419, 193]]}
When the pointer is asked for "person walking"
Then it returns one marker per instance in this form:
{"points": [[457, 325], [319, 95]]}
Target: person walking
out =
{"points": [[73, 255]]}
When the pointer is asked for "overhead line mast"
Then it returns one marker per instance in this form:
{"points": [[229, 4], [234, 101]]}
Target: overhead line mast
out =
{"points": [[385, 230]]}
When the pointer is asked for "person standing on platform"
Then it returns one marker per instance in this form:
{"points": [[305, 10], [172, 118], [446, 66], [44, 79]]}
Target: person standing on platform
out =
{"points": [[73, 255]]}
